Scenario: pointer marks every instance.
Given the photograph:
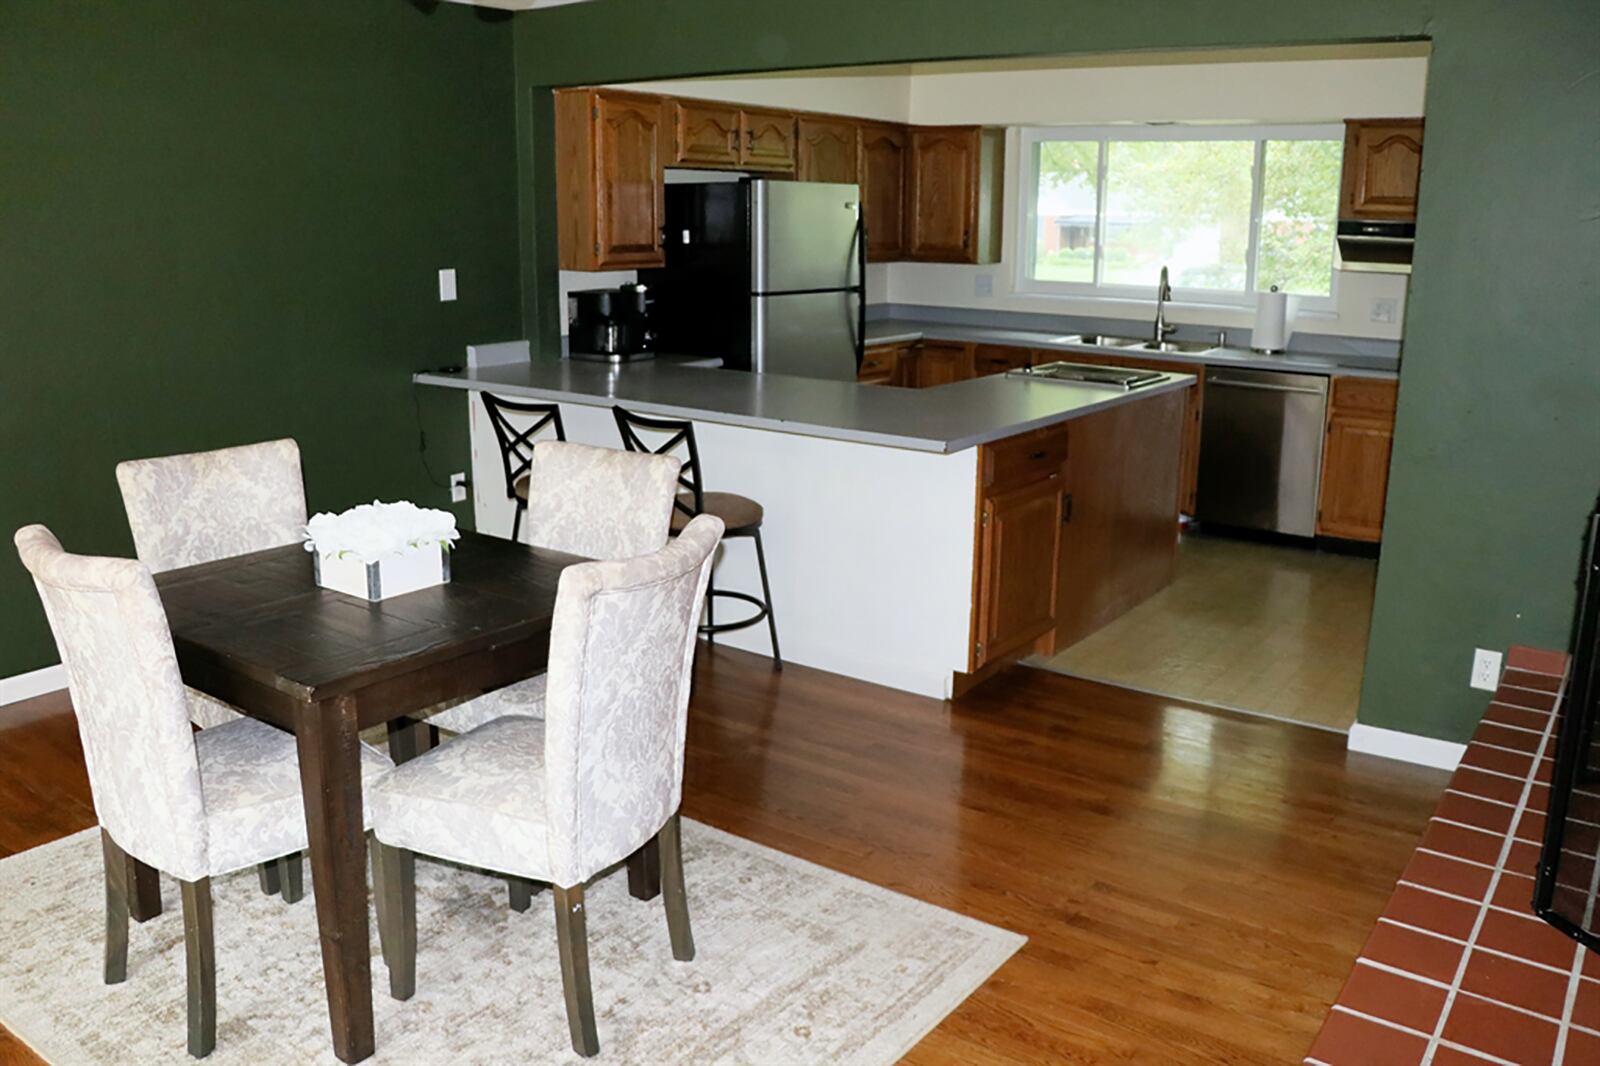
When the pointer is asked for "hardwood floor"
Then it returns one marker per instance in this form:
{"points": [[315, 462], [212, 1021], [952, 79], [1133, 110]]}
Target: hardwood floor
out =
{"points": [[1194, 884]]}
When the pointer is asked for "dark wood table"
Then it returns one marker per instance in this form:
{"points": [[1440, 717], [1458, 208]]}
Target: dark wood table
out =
{"points": [[257, 632]]}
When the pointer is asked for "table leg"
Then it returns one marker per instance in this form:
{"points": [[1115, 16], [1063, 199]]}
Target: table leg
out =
{"points": [[330, 780]]}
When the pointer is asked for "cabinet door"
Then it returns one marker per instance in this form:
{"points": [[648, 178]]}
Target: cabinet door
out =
{"points": [[879, 365], [705, 134], [629, 197], [827, 150], [941, 362], [943, 194], [1355, 476], [1020, 546], [997, 359], [883, 190], [768, 141], [1382, 166]]}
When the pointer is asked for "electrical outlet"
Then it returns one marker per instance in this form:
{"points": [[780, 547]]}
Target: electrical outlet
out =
{"points": [[1485, 669], [447, 286], [983, 285], [1385, 310], [458, 488]]}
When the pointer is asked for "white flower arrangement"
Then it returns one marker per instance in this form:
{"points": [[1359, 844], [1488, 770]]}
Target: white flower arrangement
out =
{"points": [[375, 531]]}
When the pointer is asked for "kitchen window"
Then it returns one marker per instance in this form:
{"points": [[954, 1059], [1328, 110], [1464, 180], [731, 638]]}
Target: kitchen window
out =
{"points": [[1230, 210]]}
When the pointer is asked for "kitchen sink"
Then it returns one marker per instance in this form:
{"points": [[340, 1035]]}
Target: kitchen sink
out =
{"points": [[1106, 340], [1100, 340], [1185, 347]]}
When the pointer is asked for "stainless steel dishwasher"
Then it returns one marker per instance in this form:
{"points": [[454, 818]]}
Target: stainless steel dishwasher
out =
{"points": [[1261, 449]]}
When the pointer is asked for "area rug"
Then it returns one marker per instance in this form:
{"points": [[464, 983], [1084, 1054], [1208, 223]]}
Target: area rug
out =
{"points": [[795, 964]]}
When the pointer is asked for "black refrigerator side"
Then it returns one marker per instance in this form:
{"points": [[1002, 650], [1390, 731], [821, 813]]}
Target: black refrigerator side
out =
{"points": [[701, 298]]}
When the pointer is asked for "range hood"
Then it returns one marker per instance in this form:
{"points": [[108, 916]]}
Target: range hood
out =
{"points": [[1375, 247]]}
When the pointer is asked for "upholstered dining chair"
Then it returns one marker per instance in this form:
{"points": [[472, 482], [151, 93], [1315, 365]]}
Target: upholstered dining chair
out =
{"points": [[192, 805], [560, 799], [203, 506]]}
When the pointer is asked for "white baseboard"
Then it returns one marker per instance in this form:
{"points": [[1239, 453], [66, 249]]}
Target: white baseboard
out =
{"points": [[33, 683], [1407, 747]]}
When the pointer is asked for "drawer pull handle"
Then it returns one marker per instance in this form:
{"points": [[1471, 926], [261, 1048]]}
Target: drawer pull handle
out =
{"points": [[1037, 455]]}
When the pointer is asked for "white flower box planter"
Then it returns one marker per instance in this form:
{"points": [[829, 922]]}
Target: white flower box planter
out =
{"points": [[379, 550], [395, 575]]}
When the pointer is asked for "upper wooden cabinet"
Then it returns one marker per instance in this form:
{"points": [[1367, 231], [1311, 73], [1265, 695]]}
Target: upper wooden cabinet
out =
{"points": [[1355, 459], [768, 140], [953, 190], [1382, 166], [883, 189], [609, 191], [704, 134], [827, 150]]}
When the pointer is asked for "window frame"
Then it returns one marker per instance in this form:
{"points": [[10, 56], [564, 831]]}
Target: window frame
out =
{"points": [[1027, 186]]}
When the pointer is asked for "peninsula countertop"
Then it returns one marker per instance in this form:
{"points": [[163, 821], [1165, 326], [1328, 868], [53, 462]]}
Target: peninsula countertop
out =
{"points": [[906, 330], [946, 418]]}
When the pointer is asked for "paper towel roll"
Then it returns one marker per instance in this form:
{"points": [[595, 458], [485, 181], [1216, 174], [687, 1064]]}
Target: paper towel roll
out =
{"points": [[1271, 333]]}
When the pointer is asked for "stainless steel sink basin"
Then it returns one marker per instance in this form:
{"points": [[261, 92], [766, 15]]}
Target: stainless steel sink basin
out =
{"points": [[1184, 347], [1100, 340]]}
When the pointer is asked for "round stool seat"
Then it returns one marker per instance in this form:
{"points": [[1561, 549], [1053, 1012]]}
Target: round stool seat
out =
{"points": [[737, 512]]}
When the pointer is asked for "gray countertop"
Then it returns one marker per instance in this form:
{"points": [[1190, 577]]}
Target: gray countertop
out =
{"points": [[904, 330], [948, 418]]}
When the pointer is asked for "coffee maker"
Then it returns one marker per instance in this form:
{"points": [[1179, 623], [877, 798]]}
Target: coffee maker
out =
{"points": [[610, 325]]}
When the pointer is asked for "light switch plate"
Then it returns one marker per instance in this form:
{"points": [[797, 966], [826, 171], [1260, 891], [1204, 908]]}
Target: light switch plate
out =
{"points": [[1486, 669], [447, 286], [983, 285], [458, 488], [1385, 310]]}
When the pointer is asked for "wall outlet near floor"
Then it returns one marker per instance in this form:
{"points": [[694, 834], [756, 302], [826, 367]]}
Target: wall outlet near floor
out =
{"points": [[1386, 310], [447, 286], [1485, 669], [458, 487]]}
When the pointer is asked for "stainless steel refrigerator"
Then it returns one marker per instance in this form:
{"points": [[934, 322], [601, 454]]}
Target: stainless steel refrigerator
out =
{"points": [[768, 275]]}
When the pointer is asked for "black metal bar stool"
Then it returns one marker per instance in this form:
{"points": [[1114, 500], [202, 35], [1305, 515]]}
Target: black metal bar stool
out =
{"points": [[516, 445], [741, 515]]}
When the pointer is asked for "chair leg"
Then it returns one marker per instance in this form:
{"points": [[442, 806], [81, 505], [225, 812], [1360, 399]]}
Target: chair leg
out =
{"points": [[516, 521], [270, 884], [200, 954], [572, 940], [384, 950], [644, 870], [711, 605], [521, 892], [672, 888], [291, 873], [397, 910], [116, 910], [766, 594]]}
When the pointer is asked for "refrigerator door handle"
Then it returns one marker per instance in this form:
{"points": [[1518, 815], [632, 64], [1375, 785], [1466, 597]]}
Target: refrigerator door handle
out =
{"points": [[861, 286]]}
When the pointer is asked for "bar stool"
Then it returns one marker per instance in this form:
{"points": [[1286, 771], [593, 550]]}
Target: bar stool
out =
{"points": [[740, 515], [516, 446]]}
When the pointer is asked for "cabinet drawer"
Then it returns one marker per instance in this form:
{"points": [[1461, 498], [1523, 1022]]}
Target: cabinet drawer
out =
{"points": [[997, 359], [1365, 394], [878, 365], [1024, 459]]}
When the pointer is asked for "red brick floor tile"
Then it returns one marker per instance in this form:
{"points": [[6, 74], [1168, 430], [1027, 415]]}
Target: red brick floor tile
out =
{"points": [[1526, 679], [1414, 952], [1583, 839], [1524, 697], [1536, 660], [1473, 844], [1524, 858], [1582, 1049], [1511, 763], [1477, 783], [1514, 893], [1539, 797], [1499, 736], [1546, 771], [1470, 810], [1591, 964], [1530, 826], [1586, 1007], [1447, 875], [1485, 1026], [1526, 938], [1427, 910], [1521, 717], [1393, 998], [1347, 1040], [1516, 983], [1449, 1056]]}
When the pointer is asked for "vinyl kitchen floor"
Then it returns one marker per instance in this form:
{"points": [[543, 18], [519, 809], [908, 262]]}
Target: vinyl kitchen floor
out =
{"points": [[1265, 628]]}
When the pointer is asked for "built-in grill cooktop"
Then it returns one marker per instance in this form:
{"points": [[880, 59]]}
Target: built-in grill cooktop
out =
{"points": [[1083, 373]]}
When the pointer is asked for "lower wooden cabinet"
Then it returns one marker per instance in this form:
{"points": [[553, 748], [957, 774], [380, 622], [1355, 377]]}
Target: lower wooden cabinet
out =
{"points": [[880, 365], [941, 362], [1019, 547], [998, 358], [1355, 458]]}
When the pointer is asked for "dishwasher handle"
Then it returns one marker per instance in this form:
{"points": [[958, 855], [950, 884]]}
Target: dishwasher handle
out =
{"points": [[1235, 383]]}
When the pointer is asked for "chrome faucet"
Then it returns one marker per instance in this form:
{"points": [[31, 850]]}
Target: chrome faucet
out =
{"points": [[1163, 329]]}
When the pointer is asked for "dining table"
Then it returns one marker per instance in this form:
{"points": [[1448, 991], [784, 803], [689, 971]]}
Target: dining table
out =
{"points": [[257, 632]]}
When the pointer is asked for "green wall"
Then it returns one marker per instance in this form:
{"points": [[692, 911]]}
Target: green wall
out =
{"points": [[221, 221], [1495, 460]]}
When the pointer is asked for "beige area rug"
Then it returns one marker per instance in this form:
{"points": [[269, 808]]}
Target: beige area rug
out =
{"points": [[795, 964]]}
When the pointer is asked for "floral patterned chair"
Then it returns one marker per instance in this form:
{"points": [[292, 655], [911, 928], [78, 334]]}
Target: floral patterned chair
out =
{"points": [[558, 800], [191, 805], [202, 506]]}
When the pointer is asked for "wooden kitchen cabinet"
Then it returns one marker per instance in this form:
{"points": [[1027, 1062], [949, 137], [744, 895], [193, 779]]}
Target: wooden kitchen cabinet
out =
{"points": [[1355, 458], [768, 140], [704, 134], [609, 188], [1019, 545], [880, 364], [882, 167], [1382, 168], [953, 191], [998, 359], [942, 362], [827, 150]]}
